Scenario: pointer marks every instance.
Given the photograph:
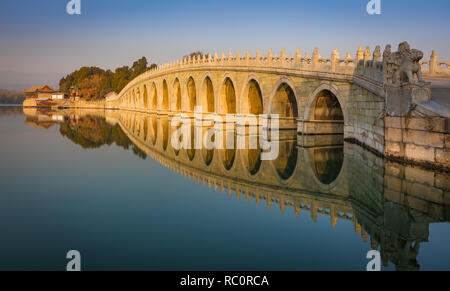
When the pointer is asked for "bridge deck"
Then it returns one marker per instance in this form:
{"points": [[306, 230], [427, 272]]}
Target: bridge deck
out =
{"points": [[440, 90]]}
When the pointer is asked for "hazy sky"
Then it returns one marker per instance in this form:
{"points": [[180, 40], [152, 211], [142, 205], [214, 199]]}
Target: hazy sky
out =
{"points": [[40, 37]]}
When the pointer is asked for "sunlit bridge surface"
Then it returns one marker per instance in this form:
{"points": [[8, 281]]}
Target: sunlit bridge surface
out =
{"points": [[111, 185]]}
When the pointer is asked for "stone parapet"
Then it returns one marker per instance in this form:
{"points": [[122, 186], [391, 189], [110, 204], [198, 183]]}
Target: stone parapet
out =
{"points": [[424, 140]]}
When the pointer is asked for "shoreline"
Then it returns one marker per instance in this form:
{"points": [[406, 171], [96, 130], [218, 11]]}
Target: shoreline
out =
{"points": [[386, 156], [11, 105]]}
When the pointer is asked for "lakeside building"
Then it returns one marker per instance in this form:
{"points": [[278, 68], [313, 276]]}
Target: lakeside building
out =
{"points": [[44, 93]]}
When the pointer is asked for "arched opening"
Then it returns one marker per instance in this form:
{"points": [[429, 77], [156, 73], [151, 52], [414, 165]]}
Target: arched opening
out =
{"points": [[326, 116], [177, 95], [145, 97], [286, 162], [192, 94], [284, 104], [208, 96], [138, 98], [327, 107], [165, 101], [228, 97], [154, 97], [327, 163], [253, 102]]}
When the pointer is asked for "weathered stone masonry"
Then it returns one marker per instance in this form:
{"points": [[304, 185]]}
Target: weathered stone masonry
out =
{"points": [[355, 97]]}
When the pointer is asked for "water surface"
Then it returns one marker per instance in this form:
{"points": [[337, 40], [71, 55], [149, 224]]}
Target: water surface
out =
{"points": [[110, 185]]}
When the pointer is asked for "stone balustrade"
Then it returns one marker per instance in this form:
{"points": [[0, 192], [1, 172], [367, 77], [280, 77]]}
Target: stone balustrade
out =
{"points": [[435, 68], [362, 63], [365, 65], [366, 89]]}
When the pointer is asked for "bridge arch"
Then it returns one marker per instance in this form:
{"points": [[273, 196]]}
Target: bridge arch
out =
{"points": [[326, 101], [207, 95], [252, 100], [154, 97], [138, 97], [228, 98], [191, 95], [145, 97], [176, 95], [283, 102], [165, 96]]}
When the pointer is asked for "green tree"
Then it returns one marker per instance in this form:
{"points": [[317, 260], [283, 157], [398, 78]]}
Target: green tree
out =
{"points": [[95, 83]]}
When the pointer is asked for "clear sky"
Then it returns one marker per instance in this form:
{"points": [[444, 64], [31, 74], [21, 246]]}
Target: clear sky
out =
{"points": [[39, 37]]}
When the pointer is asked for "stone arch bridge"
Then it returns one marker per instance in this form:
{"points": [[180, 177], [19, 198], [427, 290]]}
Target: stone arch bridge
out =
{"points": [[314, 95]]}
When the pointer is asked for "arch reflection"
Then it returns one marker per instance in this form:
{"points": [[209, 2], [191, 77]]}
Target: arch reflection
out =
{"points": [[154, 128], [327, 163], [362, 192], [286, 162]]}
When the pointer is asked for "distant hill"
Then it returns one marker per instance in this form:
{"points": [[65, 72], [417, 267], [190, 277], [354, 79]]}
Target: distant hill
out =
{"points": [[7, 97]]}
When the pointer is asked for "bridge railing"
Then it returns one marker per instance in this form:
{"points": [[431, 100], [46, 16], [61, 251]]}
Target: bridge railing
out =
{"points": [[434, 67], [365, 65]]}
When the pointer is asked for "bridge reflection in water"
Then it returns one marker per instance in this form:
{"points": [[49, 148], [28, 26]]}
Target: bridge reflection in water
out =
{"points": [[390, 204]]}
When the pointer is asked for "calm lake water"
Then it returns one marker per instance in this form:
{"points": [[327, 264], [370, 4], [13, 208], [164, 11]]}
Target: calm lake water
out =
{"points": [[110, 185]]}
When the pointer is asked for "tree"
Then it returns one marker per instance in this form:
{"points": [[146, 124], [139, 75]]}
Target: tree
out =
{"points": [[95, 83], [196, 54]]}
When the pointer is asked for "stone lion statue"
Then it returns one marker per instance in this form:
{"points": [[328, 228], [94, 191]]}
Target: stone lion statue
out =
{"points": [[402, 66]]}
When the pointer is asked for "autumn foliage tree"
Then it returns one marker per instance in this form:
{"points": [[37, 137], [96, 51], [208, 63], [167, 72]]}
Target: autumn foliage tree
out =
{"points": [[95, 83]]}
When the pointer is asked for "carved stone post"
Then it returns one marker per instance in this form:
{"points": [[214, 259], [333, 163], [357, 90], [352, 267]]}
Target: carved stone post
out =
{"points": [[367, 55], [377, 55], [298, 57], [283, 56], [315, 59], [359, 55], [334, 59], [433, 63], [269, 56], [247, 57], [258, 56]]}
